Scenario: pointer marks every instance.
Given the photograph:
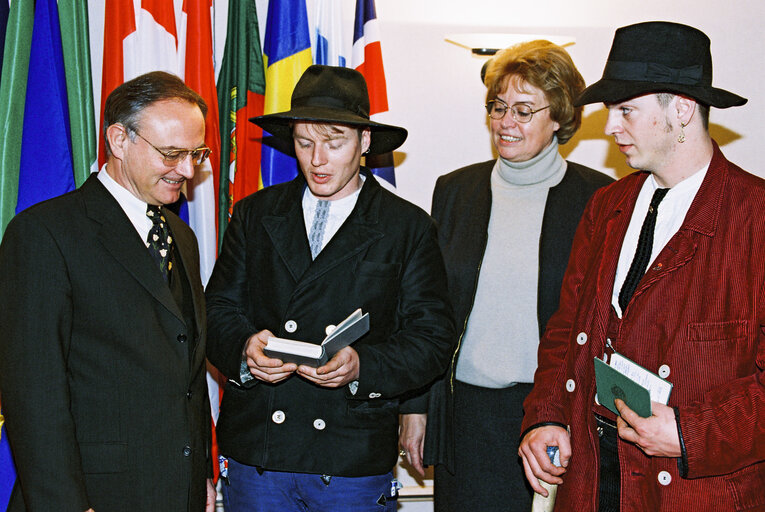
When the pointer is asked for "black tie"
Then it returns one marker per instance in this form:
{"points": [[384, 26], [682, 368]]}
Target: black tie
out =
{"points": [[643, 252], [160, 240]]}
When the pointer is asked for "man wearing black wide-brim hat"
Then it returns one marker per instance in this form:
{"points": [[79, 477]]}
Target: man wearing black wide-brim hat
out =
{"points": [[667, 271], [296, 259]]}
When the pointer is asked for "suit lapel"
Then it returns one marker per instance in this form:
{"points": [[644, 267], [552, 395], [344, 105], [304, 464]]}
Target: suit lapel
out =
{"points": [[287, 232], [187, 251], [286, 229], [120, 239]]}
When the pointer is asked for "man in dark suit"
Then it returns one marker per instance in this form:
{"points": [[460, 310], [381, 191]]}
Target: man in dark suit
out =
{"points": [[102, 349], [303, 438]]}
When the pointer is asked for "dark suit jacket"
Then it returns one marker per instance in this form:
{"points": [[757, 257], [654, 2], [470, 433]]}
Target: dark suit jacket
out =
{"points": [[461, 207], [103, 385], [385, 260]]}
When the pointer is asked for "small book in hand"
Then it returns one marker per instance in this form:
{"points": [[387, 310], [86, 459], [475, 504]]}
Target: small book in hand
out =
{"points": [[312, 354]]}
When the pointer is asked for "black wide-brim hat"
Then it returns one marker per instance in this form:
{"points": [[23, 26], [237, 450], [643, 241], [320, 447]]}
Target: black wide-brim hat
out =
{"points": [[332, 95], [659, 56]]}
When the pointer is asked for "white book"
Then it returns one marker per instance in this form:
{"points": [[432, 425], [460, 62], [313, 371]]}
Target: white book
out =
{"points": [[317, 354]]}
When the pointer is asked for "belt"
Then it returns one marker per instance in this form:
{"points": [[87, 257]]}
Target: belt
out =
{"points": [[603, 424]]}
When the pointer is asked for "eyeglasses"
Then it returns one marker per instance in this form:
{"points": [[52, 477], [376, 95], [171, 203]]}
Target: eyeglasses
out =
{"points": [[521, 112], [176, 156]]}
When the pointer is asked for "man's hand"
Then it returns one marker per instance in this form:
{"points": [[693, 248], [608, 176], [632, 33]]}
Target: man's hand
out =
{"points": [[656, 435], [411, 438], [536, 462], [261, 366], [212, 495], [339, 371]]}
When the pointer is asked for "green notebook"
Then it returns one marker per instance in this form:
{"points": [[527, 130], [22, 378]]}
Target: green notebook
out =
{"points": [[613, 384]]}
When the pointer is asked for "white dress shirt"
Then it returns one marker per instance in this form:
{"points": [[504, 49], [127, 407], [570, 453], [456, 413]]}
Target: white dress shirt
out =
{"points": [[339, 210], [133, 207], [671, 215]]}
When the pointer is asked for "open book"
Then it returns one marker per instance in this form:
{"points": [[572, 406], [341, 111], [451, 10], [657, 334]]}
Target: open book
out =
{"points": [[312, 354]]}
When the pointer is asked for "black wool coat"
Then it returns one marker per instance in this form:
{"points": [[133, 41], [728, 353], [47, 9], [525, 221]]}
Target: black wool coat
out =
{"points": [[385, 260]]}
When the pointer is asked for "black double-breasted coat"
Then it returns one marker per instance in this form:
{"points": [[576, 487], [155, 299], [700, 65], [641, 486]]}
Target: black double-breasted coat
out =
{"points": [[385, 260]]}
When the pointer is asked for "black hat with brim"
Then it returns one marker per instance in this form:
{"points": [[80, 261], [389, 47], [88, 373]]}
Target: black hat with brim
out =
{"points": [[332, 95], [659, 56]]}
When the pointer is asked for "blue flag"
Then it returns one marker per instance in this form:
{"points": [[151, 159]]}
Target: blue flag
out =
{"points": [[286, 55], [7, 469], [46, 149]]}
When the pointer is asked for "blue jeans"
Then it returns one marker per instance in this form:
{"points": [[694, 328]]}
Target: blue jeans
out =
{"points": [[248, 490]]}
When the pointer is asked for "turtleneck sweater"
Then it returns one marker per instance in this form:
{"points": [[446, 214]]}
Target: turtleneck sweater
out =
{"points": [[499, 346]]}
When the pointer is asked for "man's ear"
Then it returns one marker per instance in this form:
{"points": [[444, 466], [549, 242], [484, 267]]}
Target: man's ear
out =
{"points": [[117, 137], [366, 140], [685, 108]]}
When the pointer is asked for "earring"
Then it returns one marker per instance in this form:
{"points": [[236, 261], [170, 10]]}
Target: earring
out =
{"points": [[681, 137]]}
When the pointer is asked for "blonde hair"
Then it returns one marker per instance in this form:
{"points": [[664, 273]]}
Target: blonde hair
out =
{"points": [[547, 67]]}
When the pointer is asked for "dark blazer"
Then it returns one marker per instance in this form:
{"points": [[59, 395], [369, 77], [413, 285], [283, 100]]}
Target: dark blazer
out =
{"points": [[461, 207], [385, 260], [103, 384]]}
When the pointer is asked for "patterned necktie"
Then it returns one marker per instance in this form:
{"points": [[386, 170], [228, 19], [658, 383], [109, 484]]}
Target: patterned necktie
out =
{"points": [[160, 240], [316, 235], [644, 250]]}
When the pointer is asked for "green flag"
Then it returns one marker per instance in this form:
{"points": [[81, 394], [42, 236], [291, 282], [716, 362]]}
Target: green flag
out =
{"points": [[13, 86], [73, 15], [241, 94]]}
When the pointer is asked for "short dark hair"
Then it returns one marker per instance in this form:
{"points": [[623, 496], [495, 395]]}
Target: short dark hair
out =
{"points": [[664, 98], [547, 67], [125, 104]]}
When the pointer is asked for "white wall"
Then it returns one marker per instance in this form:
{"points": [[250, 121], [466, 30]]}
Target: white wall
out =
{"points": [[434, 88]]}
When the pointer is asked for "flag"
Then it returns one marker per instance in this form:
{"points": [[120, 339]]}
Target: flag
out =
{"points": [[327, 40], [7, 468], [154, 44], [241, 95], [136, 43], [73, 16], [4, 10], [199, 74], [119, 23], [287, 53], [13, 86], [45, 169], [367, 59]]}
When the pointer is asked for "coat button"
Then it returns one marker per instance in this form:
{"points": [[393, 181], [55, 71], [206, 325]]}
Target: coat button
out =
{"points": [[570, 385], [597, 402], [664, 371], [181, 338], [186, 451], [278, 417], [319, 424], [581, 338], [329, 329], [374, 395], [188, 395], [290, 326], [665, 478]]}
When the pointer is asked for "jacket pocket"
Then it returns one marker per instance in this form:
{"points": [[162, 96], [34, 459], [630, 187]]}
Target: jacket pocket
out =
{"points": [[104, 457], [717, 331], [746, 487]]}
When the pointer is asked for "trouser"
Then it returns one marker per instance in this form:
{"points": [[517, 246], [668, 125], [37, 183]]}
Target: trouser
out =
{"points": [[250, 489], [609, 483]]}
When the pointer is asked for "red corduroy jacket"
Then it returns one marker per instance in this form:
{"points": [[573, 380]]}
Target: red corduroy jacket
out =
{"points": [[698, 314]]}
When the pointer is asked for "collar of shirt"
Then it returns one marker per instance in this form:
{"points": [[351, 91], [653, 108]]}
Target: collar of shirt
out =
{"points": [[671, 215], [134, 208], [339, 210]]}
